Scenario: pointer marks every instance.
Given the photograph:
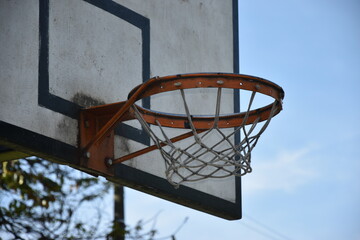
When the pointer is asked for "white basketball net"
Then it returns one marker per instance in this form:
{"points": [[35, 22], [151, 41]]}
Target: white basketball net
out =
{"points": [[200, 158]]}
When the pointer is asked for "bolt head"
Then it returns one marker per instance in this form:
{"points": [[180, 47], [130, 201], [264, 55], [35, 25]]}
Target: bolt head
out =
{"points": [[87, 124], [87, 154], [108, 162]]}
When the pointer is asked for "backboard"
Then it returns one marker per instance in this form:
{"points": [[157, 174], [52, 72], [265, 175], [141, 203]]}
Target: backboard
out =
{"points": [[58, 57]]}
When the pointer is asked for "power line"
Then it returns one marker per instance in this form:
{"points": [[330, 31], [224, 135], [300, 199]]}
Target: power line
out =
{"points": [[258, 231], [272, 231]]}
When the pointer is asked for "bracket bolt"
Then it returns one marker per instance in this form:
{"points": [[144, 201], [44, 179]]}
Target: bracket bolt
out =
{"points": [[87, 154], [108, 162], [177, 84]]}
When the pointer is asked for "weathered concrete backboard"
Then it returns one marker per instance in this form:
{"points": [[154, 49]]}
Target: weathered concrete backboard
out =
{"points": [[57, 57]]}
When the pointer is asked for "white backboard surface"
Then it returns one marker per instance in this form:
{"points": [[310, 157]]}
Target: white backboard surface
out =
{"points": [[57, 57]]}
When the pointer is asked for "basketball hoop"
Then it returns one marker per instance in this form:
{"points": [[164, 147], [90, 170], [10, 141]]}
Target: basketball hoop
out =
{"points": [[199, 159]]}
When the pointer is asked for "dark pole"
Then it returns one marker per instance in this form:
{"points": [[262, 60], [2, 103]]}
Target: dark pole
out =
{"points": [[119, 216]]}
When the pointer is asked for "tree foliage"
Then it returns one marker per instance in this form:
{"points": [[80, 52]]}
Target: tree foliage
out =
{"points": [[43, 200]]}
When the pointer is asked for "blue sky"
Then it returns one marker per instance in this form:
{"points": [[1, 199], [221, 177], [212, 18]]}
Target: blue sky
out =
{"points": [[306, 181]]}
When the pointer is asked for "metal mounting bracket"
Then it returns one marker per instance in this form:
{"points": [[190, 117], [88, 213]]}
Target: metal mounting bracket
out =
{"points": [[98, 156]]}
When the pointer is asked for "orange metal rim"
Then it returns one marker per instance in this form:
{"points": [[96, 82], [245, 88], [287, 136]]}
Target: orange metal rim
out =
{"points": [[208, 80]]}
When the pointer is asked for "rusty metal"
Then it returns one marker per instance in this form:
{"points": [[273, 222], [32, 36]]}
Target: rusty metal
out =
{"points": [[90, 123], [206, 80], [97, 139], [153, 147], [203, 122]]}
